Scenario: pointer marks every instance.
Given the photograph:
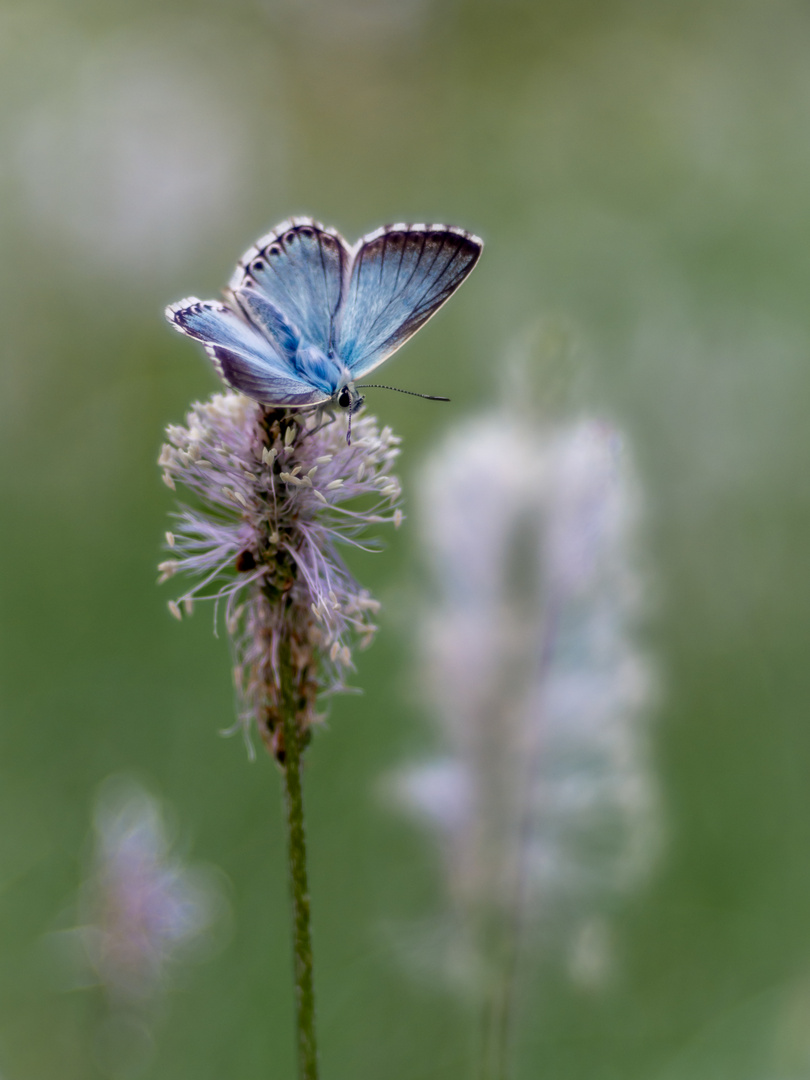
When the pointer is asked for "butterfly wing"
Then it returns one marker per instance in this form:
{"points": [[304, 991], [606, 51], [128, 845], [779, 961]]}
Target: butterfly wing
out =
{"points": [[245, 358], [300, 268], [400, 276], [269, 321]]}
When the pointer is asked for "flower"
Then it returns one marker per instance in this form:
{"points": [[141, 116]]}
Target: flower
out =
{"points": [[542, 799], [142, 906], [272, 489]]}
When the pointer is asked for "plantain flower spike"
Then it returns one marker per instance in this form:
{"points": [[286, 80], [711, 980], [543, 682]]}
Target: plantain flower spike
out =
{"points": [[276, 494]]}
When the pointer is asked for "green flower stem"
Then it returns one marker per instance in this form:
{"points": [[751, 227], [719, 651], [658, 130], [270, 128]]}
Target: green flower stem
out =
{"points": [[498, 1005], [296, 842]]}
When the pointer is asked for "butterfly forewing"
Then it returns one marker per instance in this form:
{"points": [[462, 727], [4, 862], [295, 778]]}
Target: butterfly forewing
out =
{"points": [[300, 269], [243, 356], [400, 276]]}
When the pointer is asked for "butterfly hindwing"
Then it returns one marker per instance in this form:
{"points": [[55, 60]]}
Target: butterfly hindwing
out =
{"points": [[262, 385], [268, 320], [400, 276], [300, 268], [246, 359]]}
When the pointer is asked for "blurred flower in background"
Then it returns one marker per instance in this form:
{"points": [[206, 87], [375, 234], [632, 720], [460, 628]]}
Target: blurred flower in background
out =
{"points": [[542, 799], [143, 909], [357, 23], [143, 914], [131, 162]]}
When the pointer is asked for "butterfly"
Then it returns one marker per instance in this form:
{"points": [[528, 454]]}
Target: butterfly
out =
{"points": [[306, 315]]}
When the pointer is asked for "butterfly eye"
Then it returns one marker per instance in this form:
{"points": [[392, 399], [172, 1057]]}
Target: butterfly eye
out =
{"points": [[344, 398]]}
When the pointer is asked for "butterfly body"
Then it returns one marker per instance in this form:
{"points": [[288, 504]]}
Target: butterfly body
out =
{"points": [[306, 315]]}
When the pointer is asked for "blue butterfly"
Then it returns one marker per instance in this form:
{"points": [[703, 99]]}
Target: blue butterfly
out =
{"points": [[306, 314]]}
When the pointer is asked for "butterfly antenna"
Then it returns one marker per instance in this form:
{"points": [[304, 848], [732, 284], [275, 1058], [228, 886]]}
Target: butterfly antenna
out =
{"points": [[413, 393]]}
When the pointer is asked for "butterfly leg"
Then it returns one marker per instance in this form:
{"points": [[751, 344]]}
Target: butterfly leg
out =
{"points": [[327, 417]]}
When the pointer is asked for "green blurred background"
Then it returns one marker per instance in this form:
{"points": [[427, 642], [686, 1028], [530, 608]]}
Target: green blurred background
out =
{"points": [[640, 172]]}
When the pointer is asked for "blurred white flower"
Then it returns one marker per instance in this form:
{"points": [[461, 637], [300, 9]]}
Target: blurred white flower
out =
{"points": [[130, 158], [359, 23], [142, 908], [543, 801]]}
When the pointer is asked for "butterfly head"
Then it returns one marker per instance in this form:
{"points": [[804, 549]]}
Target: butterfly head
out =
{"points": [[349, 399]]}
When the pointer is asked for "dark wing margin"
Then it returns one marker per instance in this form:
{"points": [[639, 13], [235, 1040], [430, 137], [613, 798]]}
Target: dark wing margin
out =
{"points": [[400, 276], [300, 267]]}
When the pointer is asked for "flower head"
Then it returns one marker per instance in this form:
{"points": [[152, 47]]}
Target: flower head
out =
{"points": [[277, 494]]}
